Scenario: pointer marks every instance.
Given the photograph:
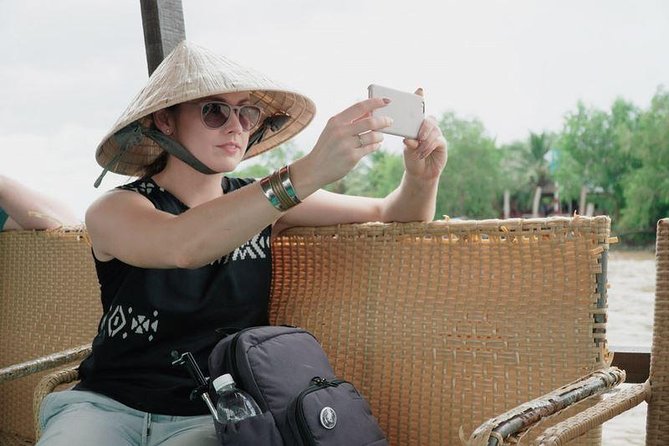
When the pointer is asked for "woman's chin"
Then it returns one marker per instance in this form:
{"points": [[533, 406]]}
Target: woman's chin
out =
{"points": [[225, 165]]}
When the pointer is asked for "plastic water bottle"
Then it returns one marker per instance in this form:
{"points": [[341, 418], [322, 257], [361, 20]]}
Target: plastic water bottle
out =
{"points": [[233, 403]]}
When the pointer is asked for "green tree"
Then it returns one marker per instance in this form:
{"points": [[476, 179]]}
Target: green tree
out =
{"points": [[470, 184], [646, 188], [375, 176], [536, 164], [526, 168], [379, 174], [266, 163], [594, 151], [468, 187]]}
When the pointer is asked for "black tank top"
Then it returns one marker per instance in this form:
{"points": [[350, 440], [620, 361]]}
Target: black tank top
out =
{"points": [[148, 313]]}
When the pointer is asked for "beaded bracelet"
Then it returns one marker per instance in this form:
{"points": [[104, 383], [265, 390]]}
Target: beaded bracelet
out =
{"points": [[279, 189]]}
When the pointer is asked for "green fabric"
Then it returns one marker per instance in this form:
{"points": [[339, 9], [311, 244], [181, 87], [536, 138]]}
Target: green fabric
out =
{"points": [[3, 218]]}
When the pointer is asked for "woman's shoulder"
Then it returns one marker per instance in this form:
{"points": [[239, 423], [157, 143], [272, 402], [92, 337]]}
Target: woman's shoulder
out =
{"points": [[120, 199]]}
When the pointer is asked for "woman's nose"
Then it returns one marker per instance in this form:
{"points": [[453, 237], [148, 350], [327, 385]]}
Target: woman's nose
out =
{"points": [[233, 125]]}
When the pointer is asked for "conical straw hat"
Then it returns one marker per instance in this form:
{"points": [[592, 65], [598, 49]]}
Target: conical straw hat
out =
{"points": [[192, 72]]}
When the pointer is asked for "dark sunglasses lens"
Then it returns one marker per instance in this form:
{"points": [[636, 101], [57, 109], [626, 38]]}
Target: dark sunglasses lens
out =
{"points": [[249, 116], [215, 114]]}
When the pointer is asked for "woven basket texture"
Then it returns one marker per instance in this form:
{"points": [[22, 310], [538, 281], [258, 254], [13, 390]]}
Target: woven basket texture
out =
{"points": [[49, 301], [444, 325], [657, 421], [440, 325]]}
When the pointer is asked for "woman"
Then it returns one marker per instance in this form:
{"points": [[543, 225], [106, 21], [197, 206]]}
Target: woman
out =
{"points": [[183, 253], [23, 208]]}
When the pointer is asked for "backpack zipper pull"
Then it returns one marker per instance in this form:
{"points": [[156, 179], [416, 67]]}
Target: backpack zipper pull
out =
{"points": [[322, 382], [318, 381]]}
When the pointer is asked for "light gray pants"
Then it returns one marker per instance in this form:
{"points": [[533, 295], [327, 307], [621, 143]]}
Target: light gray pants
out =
{"points": [[78, 418]]}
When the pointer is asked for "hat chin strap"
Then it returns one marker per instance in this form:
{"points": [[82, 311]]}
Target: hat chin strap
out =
{"points": [[133, 133], [274, 123], [176, 149]]}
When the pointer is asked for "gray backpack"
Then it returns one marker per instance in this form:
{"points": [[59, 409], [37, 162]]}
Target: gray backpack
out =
{"points": [[302, 402]]}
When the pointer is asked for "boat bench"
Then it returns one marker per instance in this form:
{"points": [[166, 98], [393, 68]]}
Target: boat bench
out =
{"points": [[454, 330]]}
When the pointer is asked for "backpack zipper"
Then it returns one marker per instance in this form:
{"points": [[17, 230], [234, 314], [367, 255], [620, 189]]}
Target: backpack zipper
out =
{"points": [[232, 367], [317, 384], [231, 359], [232, 356]]}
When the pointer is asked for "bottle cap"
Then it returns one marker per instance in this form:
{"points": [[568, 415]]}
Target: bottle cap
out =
{"points": [[222, 381]]}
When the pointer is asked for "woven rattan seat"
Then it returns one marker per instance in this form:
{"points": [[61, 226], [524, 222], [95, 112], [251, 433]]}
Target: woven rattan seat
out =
{"points": [[49, 301], [447, 324], [655, 391], [441, 325]]}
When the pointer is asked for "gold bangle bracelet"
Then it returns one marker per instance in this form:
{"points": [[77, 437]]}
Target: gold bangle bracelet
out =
{"points": [[284, 174], [280, 191], [268, 190]]}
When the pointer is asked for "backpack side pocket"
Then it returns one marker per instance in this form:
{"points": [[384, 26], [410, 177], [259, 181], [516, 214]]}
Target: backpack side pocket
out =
{"points": [[260, 430], [329, 413]]}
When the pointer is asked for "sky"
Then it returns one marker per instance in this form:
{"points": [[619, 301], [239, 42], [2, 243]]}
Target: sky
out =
{"points": [[70, 67]]}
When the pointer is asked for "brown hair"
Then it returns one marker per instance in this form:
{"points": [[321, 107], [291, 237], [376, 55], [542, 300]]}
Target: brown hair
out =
{"points": [[160, 162], [156, 166]]}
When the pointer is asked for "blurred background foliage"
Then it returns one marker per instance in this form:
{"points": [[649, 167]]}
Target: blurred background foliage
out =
{"points": [[613, 162]]}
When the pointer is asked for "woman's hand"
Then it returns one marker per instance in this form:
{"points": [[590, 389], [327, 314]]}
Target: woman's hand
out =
{"points": [[426, 157], [346, 139]]}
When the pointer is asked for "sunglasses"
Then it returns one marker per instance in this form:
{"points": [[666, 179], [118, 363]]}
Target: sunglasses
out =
{"points": [[215, 114]]}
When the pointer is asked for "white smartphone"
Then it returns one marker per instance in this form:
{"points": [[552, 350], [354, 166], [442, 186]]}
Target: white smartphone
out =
{"points": [[406, 109]]}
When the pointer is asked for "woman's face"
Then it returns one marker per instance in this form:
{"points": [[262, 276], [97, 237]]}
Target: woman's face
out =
{"points": [[221, 149]]}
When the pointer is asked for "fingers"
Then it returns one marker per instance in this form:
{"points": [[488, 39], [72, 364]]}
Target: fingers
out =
{"points": [[428, 126], [429, 135], [431, 142], [411, 144], [429, 139], [371, 123], [428, 129], [366, 115], [434, 143], [365, 139], [358, 110], [430, 146], [366, 150]]}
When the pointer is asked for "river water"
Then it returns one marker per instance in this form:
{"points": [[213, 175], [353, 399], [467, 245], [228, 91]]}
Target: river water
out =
{"points": [[631, 294]]}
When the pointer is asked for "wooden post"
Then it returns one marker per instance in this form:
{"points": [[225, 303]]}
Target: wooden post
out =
{"points": [[163, 22], [633, 360]]}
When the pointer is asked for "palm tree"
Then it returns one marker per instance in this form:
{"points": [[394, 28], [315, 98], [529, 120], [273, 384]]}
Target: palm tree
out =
{"points": [[527, 167], [538, 172]]}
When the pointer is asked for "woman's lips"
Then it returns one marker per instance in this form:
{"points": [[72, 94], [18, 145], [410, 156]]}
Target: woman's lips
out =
{"points": [[231, 147]]}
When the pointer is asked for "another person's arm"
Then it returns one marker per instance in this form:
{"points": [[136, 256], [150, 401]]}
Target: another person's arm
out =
{"points": [[29, 209]]}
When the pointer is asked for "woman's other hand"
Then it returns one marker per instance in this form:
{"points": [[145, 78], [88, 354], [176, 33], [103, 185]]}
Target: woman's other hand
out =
{"points": [[426, 157]]}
